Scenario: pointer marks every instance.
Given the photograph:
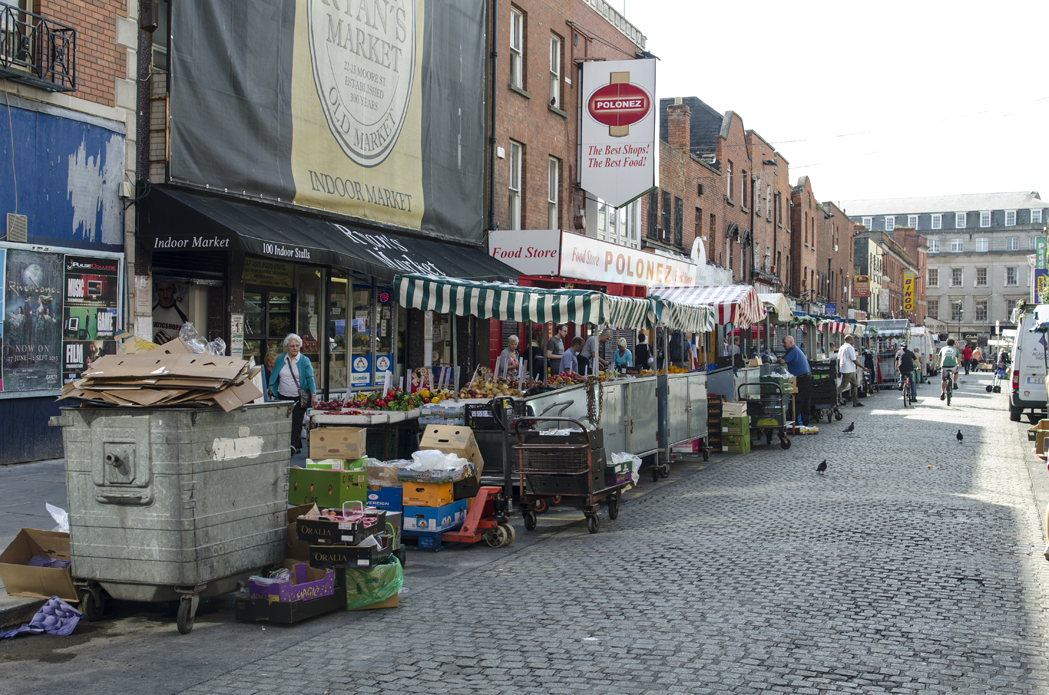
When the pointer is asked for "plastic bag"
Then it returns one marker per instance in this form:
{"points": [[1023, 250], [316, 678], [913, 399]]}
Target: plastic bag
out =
{"points": [[216, 347], [369, 585], [60, 516], [635, 464], [198, 344], [384, 473], [432, 466]]}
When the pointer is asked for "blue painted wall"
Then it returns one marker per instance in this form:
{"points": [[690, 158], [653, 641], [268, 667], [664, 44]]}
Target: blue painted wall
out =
{"points": [[67, 172]]}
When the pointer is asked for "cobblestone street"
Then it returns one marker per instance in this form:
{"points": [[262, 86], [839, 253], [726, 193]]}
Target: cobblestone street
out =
{"points": [[913, 566]]}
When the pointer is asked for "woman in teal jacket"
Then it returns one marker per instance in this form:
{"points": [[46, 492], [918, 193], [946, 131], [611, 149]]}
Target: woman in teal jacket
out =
{"points": [[292, 371]]}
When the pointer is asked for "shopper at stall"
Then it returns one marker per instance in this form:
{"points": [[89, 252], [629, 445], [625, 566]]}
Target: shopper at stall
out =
{"points": [[847, 367], [292, 375], [555, 347], [536, 361], [622, 358], [590, 358], [967, 356], [509, 360], [798, 366], [643, 350], [570, 360]]}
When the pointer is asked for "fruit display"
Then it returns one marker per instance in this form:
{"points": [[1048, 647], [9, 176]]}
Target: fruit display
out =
{"points": [[489, 388], [396, 399]]}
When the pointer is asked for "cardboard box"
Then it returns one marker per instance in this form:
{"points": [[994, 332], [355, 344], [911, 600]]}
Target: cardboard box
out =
{"points": [[427, 494], [735, 449], [754, 362], [735, 425], [294, 549], [1041, 430], [433, 519], [37, 582], [289, 612], [326, 464], [734, 409], [306, 584], [329, 489], [350, 555], [735, 439], [331, 531], [389, 498], [455, 440], [338, 443], [388, 603]]}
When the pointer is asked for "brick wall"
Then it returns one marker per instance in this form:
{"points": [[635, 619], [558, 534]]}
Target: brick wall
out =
{"points": [[526, 116], [803, 240], [99, 60], [731, 146], [762, 205]]}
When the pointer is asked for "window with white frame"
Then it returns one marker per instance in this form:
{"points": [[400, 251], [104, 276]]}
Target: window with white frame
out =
{"points": [[555, 71], [981, 309], [728, 174], [1011, 276], [933, 307], [768, 202], [1032, 243], [1010, 218], [934, 277], [956, 277], [553, 217], [619, 225], [937, 222], [757, 197], [1036, 216], [959, 220], [981, 277], [985, 218], [956, 310], [934, 245], [890, 223], [912, 221], [516, 48], [1013, 243], [516, 154], [1010, 304], [867, 222], [957, 246], [981, 244]]}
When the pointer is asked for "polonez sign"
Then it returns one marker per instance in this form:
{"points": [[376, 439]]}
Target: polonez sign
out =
{"points": [[619, 152], [591, 259]]}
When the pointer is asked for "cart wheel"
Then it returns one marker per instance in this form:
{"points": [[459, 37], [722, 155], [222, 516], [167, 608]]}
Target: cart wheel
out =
{"points": [[511, 535], [529, 519], [819, 415], [655, 474], [496, 536], [785, 443], [593, 525], [989, 388], [185, 615], [613, 507], [556, 499], [837, 415], [664, 470], [92, 605], [540, 505], [997, 389]]}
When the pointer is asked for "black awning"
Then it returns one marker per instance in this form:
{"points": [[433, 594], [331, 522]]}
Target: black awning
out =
{"points": [[173, 219]]}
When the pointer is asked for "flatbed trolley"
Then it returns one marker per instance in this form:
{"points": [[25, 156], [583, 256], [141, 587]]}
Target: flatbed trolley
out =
{"points": [[571, 466], [769, 416]]}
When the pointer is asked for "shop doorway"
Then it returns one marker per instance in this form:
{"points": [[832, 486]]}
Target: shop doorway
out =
{"points": [[267, 320]]}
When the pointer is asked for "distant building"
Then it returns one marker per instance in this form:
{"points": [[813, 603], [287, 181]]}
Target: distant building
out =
{"points": [[978, 246]]}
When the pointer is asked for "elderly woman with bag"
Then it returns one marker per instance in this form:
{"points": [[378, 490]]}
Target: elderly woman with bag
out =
{"points": [[291, 379]]}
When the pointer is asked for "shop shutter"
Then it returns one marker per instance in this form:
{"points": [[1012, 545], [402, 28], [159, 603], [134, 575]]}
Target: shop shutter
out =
{"points": [[679, 214], [653, 215]]}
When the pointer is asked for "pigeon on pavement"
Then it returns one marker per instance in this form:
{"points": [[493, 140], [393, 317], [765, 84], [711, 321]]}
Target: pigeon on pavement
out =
{"points": [[958, 436], [822, 467], [850, 428]]}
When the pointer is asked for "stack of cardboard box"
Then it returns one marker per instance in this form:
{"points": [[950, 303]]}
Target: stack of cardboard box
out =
{"points": [[735, 428], [714, 404]]}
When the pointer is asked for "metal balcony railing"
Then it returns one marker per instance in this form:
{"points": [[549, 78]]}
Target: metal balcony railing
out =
{"points": [[37, 51]]}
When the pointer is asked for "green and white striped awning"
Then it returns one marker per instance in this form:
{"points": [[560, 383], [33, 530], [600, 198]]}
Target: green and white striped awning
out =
{"points": [[495, 300], [691, 318]]}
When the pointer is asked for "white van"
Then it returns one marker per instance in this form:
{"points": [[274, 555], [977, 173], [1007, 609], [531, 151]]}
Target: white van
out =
{"points": [[1027, 370]]}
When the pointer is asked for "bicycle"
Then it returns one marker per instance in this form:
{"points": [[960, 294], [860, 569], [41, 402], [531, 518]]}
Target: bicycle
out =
{"points": [[908, 398], [947, 377]]}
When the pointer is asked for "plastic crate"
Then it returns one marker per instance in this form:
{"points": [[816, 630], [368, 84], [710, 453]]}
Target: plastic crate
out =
{"points": [[478, 416], [566, 460], [538, 484]]}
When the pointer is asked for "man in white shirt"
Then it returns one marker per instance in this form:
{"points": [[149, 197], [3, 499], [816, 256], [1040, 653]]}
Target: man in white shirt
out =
{"points": [[847, 367]]}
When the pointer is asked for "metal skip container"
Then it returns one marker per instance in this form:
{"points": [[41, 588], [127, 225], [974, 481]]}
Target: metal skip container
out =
{"points": [[174, 503]]}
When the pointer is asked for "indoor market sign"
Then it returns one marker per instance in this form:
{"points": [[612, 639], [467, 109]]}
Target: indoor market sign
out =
{"points": [[363, 55]]}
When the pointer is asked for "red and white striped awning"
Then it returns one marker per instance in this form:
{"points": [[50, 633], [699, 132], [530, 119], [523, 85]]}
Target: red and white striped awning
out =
{"points": [[739, 305]]}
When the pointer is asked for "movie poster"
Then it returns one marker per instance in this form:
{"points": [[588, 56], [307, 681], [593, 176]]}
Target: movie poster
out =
{"points": [[91, 281], [32, 327], [89, 320]]}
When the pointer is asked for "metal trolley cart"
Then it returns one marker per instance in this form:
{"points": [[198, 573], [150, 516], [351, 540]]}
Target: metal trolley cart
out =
{"points": [[824, 397], [570, 465], [768, 411]]}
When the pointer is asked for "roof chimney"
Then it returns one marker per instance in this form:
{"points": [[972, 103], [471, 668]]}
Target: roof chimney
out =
{"points": [[679, 134]]}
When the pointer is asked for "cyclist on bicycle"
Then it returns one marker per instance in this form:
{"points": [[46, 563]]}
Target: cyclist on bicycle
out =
{"points": [[905, 361], [949, 358]]}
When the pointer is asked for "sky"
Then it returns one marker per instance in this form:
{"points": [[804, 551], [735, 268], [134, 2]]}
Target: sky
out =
{"points": [[870, 100]]}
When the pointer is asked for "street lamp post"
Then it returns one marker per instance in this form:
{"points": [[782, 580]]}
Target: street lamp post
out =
{"points": [[960, 312]]}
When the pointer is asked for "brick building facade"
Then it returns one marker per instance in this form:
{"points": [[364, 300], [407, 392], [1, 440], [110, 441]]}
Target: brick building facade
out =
{"points": [[804, 210]]}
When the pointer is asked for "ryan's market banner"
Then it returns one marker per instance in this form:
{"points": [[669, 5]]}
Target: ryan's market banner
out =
{"points": [[369, 109], [618, 152]]}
